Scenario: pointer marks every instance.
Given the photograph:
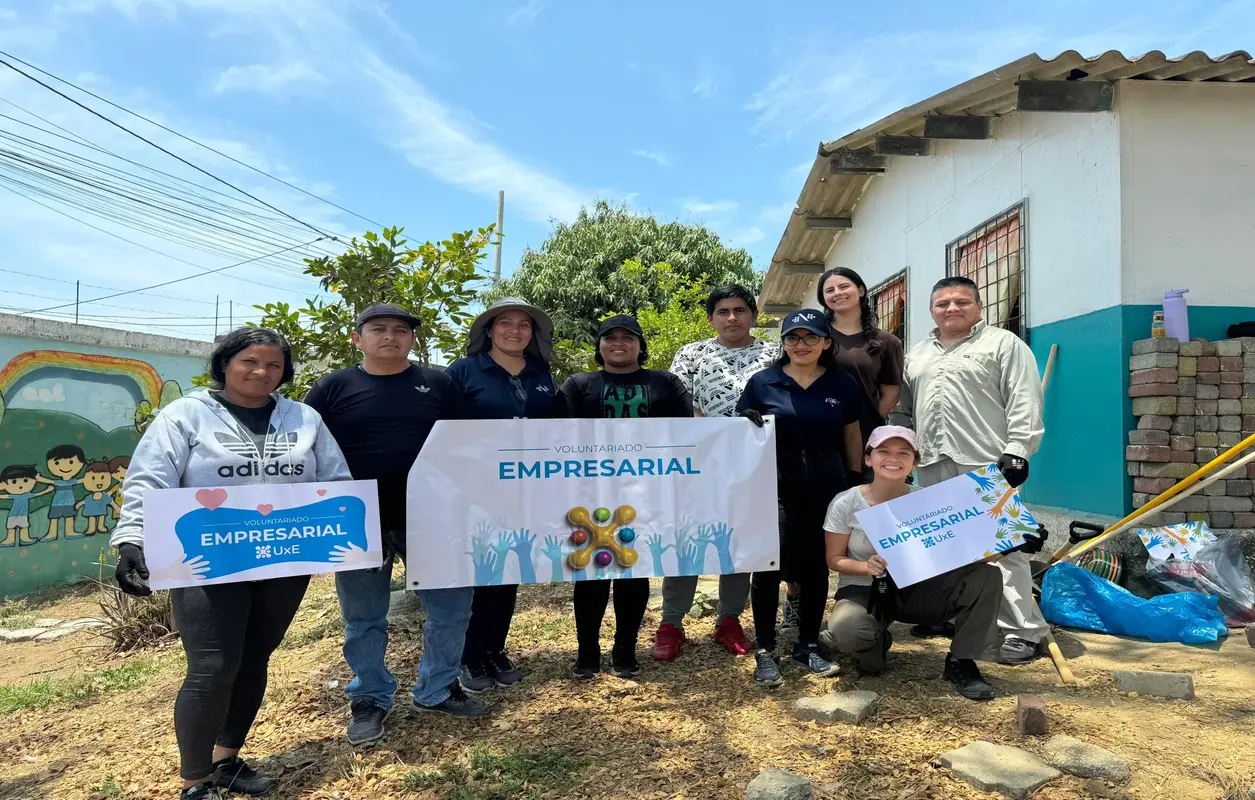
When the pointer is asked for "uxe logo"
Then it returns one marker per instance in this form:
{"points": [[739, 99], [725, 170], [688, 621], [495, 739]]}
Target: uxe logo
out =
{"points": [[277, 447]]}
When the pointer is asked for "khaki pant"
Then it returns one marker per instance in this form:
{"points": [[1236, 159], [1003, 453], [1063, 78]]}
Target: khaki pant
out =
{"points": [[969, 595], [1019, 615]]}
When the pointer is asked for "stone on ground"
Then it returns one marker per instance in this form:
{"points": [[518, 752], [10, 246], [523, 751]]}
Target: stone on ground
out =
{"points": [[776, 784], [851, 707], [1030, 715], [998, 768], [20, 634], [1172, 685], [48, 634], [1086, 760]]}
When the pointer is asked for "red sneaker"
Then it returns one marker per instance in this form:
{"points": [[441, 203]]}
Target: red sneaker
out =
{"points": [[667, 642], [731, 635]]}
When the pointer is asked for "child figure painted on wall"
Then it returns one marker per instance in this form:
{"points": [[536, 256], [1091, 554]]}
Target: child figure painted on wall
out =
{"points": [[17, 483], [118, 468], [64, 462], [95, 506]]}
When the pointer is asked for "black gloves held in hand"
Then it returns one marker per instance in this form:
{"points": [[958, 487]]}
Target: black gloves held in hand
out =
{"points": [[883, 602], [1014, 469], [132, 571], [1032, 542], [752, 415]]}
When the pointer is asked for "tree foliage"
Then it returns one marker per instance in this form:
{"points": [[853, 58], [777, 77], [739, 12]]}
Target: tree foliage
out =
{"points": [[578, 274], [433, 281]]}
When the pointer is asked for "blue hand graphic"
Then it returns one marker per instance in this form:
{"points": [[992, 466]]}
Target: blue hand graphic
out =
{"points": [[505, 542], [702, 541], [579, 574], [486, 572], [656, 549], [686, 554], [553, 552], [522, 547], [601, 573], [721, 537]]}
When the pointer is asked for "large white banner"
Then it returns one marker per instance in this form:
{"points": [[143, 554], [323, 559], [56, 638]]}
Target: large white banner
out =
{"points": [[195, 537], [948, 525], [494, 502]]}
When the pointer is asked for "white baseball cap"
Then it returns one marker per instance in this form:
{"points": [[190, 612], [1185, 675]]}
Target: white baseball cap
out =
{"points": [[886, 432]]}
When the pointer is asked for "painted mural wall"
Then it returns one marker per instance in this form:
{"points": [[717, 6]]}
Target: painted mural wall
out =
{"points": [[70, 416]]}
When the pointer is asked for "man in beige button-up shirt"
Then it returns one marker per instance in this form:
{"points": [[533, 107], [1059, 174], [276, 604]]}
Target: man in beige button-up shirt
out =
{"points": [[973, 396]]}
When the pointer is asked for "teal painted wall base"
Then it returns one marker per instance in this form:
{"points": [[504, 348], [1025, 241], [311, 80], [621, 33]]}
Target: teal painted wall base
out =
{"points": [[1088, 415]]}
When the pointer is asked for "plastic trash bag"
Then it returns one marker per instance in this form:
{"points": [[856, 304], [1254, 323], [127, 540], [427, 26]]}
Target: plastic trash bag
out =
{"points": [[1076, 598], [1218, 568]]}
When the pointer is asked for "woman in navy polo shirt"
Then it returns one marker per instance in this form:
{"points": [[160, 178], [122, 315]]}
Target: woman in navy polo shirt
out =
{"points": [[504, 376], [817, 406]]}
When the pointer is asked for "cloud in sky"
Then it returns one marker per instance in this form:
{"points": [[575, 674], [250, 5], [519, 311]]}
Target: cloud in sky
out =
{"points": [[705, 88], [661, 159], [717, 207], [267, 78], [526, 15]]}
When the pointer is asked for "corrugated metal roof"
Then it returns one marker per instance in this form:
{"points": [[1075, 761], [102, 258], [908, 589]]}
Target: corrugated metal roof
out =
{"points": [[790, 281]]}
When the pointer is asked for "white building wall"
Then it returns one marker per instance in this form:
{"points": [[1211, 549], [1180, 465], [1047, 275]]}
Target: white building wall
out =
{"points": [[1188, 191], [1065, 165]]}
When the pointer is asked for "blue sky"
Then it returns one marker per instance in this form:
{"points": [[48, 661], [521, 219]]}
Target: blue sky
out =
{"points": [[416, 113]]}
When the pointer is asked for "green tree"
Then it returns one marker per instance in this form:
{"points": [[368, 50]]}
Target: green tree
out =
{"points": [[577, 275], [433, 281]]}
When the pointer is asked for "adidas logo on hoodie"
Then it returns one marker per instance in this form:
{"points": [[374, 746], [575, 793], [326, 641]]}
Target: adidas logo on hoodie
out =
{"points": [[277, 447]]}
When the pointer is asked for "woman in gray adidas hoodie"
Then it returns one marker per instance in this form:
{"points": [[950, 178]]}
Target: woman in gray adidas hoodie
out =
{"points": [[239, 433]]}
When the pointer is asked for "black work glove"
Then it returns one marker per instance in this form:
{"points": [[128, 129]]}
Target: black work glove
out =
{"points": [[1032, 542], [883, 602], [752, 415], [1014, 469], [132, 571]]}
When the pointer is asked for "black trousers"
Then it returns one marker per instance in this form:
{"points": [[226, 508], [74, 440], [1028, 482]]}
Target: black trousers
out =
{"points": [[803, 561], [228, 631], [491, 613], [631, 596]]}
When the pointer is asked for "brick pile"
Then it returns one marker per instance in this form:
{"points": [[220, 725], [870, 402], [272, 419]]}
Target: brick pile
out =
{"points": [[1192, 401]]}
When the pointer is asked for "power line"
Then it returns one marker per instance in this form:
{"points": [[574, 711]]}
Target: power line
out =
{"points": [[187, 138], [112, 288]]}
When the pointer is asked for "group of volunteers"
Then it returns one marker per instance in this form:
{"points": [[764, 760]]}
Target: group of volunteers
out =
{"points": [[965, 397]]}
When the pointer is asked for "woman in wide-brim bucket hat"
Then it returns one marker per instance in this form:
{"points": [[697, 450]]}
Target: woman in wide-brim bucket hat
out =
{"points": [[540, 347]]}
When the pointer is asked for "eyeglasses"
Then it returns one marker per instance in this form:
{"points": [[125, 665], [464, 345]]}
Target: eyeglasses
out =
{"points": [[519, 391], [809, 339]]}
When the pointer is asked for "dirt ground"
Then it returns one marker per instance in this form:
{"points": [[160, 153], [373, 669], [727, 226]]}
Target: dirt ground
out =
{"points": [[695, 728]]}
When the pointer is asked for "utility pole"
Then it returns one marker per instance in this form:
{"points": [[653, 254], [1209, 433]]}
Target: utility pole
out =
{"points": [[496, 266], [231, 314], [215, 317], [76, 302]]}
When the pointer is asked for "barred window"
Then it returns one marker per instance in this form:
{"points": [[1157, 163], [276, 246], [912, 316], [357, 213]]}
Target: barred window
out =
{"points": [[888, 301], [994, 256]]}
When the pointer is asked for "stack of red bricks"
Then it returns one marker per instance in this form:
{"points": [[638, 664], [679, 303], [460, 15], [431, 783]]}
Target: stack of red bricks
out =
{"points": [[1193, 401]]}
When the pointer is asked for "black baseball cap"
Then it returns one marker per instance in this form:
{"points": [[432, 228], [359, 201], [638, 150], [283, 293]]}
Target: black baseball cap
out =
{"points": [[625, 321], [807, 319], [386, 311]]}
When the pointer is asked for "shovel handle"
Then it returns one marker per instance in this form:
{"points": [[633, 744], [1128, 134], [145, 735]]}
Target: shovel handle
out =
{"points": [[1080, 531]]}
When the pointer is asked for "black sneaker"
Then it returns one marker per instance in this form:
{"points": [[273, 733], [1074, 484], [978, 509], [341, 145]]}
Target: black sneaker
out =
{"points": [[807, 657], [586, 670], [624, 663], [201, 791], [767, 669], [475, 677], [366, 721], [967, 680], [942, 629], [234, 775], [457, 704], [502, 669], [1016, 651]]}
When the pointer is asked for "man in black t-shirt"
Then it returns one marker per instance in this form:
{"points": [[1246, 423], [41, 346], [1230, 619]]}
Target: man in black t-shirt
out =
{"points": [[380, 412]]}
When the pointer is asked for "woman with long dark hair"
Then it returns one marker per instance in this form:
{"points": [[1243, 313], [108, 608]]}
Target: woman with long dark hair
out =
{"points": [[228, 630], [817, 406]]}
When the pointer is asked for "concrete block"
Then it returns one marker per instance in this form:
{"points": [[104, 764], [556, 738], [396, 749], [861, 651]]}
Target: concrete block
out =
{"points": [[1149, 437], [1208, 348], [1228, 348], [1181, 443], [997, 768], [1234, 377], [1243, 519], [1170, 470], [1182, 456], [776, 784], [1228, 391], [1182, 426], [1206, 408], [1133, 468], [1154, 390], [1248, 389], [1172, 518], [1161, 345], [1207, 439], [1194, 504], [1229, 407], [1207, 422], [1187, 367], [1248, 375], [1209, 364], [1139, 499], [1154, 361], [1220, 519], [1146, 452], [1228, 439], [1172, 685], [1187, 387], [1030, 715], [1248, 419], [1185, 406], [1248, 344], [1232, 364], [1152, 422], [1230, 423], [1248, 405], [1239, 488], [1160, 406], [1160, 375], [1199, 516], [1193, 349], [1208, 378], [1231, 504], [1216, 489], [1204, 455], [851, 707], [1207, 392], [1086, 760], [1154, 485]]}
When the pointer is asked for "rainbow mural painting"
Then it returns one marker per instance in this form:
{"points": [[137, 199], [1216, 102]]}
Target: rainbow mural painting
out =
{"points": [[144, 375]]}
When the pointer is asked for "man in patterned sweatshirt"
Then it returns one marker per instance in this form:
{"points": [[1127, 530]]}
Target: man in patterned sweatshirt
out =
{"points": [[715, 372]]}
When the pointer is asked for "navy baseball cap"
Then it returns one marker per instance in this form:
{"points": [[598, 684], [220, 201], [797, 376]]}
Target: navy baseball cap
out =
{"points": [[386, 311], [625, 321], [807, 319]]}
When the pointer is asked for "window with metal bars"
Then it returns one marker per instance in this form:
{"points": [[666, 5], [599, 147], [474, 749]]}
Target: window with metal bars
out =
{"points": [[995, 257], [888, 302]]}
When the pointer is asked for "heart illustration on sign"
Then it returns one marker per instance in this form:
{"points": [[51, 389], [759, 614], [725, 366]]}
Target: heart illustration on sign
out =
{"points": [[211, 498], [265, 509], [342, 508], [322, 492]]}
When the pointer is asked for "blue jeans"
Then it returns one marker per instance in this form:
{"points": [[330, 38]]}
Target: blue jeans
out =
{"points": [[364, 599]]}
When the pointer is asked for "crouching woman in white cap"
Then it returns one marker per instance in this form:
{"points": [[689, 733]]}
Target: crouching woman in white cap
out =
{"points": [[867, 600]]}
